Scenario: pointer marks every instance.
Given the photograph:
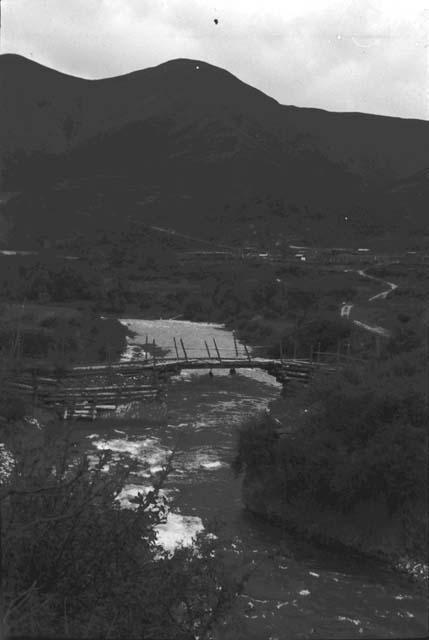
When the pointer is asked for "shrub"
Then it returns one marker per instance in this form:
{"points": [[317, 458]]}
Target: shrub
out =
{"points": [[361, 437], [77, 564]]}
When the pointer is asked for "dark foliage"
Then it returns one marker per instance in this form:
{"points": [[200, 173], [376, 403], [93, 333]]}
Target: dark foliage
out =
{"points": [[59, 334], [354, 437], [77, 563]]}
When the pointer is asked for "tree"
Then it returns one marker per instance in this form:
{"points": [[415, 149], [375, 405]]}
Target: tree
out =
{"points": [[76, 563], [360, 435], [323, 332]]}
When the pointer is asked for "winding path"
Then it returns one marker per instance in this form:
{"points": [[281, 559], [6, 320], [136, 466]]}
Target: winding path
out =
{"points": [[346, 307], [383, 295]]}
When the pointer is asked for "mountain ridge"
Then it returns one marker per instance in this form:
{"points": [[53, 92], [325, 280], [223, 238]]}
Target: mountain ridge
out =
{"points": [[189, 128], [65, 110], [20, 59]]}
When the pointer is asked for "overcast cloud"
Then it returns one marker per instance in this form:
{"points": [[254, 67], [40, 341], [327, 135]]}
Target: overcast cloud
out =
{"points": [[342, 55]]}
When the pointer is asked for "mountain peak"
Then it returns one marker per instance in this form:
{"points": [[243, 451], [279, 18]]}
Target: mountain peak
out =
{"points": [[16, 66], [13, 58], [189, 63], [216, 114]]}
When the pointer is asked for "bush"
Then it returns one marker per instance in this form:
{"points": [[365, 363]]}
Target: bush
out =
{"points": [[361, 437], [326, 332], [77, 564], [255, 444]]}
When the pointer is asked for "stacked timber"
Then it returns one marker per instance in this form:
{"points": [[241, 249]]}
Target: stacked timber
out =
{"points": [[31, 387], [292, 373], [74, 397], [285, 372]]}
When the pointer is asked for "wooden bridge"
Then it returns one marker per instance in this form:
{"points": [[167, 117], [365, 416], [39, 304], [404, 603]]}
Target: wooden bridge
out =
{"points": [[88, 390]]}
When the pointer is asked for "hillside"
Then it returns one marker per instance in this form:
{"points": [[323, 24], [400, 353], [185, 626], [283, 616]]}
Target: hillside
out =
{"points": [[188, 144], [43, 110]]}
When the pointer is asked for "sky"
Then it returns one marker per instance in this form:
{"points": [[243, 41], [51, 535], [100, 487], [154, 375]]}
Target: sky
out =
{"points": [[342, 55]]}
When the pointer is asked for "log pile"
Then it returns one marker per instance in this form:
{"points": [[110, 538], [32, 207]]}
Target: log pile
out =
{"points": [[87, 396]]}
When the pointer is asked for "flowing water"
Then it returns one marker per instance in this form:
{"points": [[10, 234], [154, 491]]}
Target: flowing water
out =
{"points": [[297, 590]]}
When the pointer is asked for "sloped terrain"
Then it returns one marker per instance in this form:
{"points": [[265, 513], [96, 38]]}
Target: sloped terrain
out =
{"points": [[187, 144]]}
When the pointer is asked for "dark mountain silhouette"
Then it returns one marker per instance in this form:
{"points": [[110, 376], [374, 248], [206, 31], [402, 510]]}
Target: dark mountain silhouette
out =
{"points": [[187, 142], [417, 184], [408, 200]]}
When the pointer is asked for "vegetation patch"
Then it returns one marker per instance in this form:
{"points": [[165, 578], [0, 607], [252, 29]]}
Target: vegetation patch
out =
{"points": [[351, 445], [75, 563], [59, 335]]}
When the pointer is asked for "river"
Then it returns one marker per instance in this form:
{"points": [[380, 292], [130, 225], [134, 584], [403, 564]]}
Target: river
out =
{"points": [[298, 589]]}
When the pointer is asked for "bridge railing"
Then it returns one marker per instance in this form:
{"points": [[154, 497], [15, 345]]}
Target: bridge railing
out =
{"points": [[207, 350], [193, 354]]}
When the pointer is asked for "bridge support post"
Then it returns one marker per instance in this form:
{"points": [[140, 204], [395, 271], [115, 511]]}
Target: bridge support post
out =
{"points": [[176, 349], [184, 350], [247, 353], [208, 350], [217, 351]]}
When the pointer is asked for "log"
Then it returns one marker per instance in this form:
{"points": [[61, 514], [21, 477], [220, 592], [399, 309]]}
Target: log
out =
{"points": [[176, 349], [207, 348], [217, 350], [184, 350]]}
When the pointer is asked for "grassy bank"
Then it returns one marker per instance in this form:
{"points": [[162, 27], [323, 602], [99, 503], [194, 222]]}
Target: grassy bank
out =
{"points": [[267, 304], [59, 334], [345, 461], [263, 302]]}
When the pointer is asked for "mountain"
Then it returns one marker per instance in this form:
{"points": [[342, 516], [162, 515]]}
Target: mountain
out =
{"points": [[187, 143], [43, 110], [408, 200]]}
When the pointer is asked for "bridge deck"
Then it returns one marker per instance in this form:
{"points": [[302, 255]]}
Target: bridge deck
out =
{"points": [[192, 363], [88, 389]]}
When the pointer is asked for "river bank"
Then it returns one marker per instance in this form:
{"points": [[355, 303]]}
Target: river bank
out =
{"points": [[296, 589], [347, 466], [368, 530]]}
